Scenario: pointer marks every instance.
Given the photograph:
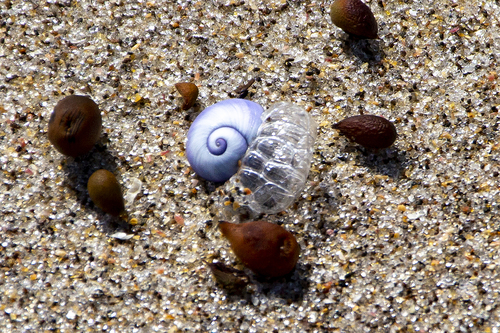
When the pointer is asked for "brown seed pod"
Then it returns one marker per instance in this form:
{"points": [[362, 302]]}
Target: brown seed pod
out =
{"points": [[368, 130], [75, 125], [106, 193], [266, 248], [354, 17], [189, 92]]}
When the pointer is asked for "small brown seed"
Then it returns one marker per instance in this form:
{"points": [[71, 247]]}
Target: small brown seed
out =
{"points": [[189, 92], [354, 17], [266, 248], [368, 130], [106, 193], [75, 125]]}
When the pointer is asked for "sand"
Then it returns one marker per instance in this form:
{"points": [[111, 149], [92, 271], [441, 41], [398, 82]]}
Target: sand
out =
{"points": [[404, 239]]}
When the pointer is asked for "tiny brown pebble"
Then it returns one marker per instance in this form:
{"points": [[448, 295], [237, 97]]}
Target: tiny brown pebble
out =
{"points": [[368, 130], [266, 248], [189, 92], [355, 18], [179, 219], [106, 193], [75, 125]]}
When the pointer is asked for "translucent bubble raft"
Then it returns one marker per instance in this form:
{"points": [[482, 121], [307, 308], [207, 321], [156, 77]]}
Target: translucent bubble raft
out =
{"points": [[276, 165]]}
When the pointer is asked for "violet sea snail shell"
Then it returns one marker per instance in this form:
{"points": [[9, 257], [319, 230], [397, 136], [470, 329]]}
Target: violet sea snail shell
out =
{"points": [[220, 136]]}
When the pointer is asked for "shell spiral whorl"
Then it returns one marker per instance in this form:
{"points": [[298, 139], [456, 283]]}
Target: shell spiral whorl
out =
{"points": [[220, 136]]}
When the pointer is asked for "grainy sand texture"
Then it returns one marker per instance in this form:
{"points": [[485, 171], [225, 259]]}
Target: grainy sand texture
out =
{"points": [[404, 239]]}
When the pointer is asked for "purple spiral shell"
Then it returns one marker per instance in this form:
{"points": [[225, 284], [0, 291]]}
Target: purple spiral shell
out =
{"points": [[220, 136]]}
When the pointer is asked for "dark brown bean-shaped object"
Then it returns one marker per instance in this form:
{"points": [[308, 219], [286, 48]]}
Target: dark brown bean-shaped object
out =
{"points": [[368, 130], [106, 193], [354, 17], [266, 248], [75, 125], [189, 92]]}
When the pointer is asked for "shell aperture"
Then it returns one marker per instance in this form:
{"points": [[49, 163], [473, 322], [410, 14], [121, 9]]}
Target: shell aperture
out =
{"points": [[220, 136]]}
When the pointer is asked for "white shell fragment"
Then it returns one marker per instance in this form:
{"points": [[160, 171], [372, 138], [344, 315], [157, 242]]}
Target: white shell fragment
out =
{"points": [[121, 235], [135, 186]]}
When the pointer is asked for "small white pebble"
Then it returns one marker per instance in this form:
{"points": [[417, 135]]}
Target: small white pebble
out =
{"points": [[71, 315]]}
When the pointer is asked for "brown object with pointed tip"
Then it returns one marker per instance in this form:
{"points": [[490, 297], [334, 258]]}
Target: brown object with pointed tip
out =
{"points": [[266, 248], [368, 130], [75, 125], [189, 92], [355, 18], [105, 192]]}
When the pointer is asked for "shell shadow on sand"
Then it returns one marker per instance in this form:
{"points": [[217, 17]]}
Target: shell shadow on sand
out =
{"points": [[366, 50], [247, 286]]}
